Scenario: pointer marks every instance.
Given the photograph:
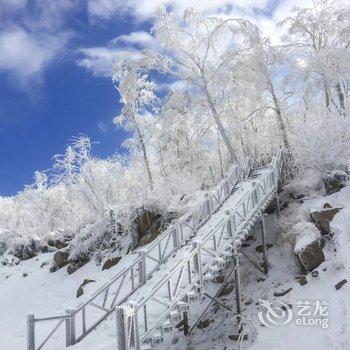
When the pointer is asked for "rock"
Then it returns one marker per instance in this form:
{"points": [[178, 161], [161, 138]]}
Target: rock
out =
{"points": [[111, 262], [77, 264], [25, 250], [229, 287], [259, 248], [204, 324], [335, 180], [71, 268], [57, 243], [302, 280], [261, 279], [327, 206], [283, 293], [44, 263], [149, 224], [311, 257], [250, 238], [24, 274], [47, 249], [322, 219], [245, 245], [61, 258], [314, 274], [80, 290], [340, 284]]}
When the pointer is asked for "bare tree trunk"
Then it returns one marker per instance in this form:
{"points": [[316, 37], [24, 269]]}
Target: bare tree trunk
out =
{"points": [[144, 152], [326, 93], [280, 121], [231, 151], [220, 158], [341, 98]]}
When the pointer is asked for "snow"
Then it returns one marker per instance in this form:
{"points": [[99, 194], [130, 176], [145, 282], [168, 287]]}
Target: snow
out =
{"points": [[306, 233], [55, 292]]}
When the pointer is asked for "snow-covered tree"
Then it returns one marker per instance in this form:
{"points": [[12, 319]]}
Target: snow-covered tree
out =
{"points": [[320, 37], [203, 54], [137, 93]]}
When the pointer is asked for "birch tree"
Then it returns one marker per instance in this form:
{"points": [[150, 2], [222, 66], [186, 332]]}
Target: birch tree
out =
{"points": [[202, 53], [137, 92], [320, 36], [263, 62]]}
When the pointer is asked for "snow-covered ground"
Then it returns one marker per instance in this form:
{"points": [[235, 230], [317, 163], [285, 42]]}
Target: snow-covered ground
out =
{"points": [[30, 287]]}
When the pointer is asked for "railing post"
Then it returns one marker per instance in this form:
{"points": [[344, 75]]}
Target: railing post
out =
{"points": [[122, 317], [30, 332], [70, 328], [176, 234], [231, 224], [237, 288], [263, 243], [142, 268], [198, 261], [209, 208], [135, 336]]}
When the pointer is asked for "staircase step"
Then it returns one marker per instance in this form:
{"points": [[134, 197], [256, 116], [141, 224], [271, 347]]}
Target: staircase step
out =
{"points": [[157, 338]]}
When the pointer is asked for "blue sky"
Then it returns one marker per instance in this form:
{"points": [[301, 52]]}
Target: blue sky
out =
{"points": [[56, 60], [40, 112]]}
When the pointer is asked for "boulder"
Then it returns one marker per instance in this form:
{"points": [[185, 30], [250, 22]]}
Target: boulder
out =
{"points": [[335, 180], [78, 262], [24, 252], [23, 248], [322, 219], [149, 224], [311, 256], [111, 262], [61, 258], [71, 268], [58, 239]]}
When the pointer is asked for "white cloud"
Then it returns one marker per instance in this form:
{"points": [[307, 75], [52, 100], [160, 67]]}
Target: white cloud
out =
{"points": [[140, 38], [144, 9], [102, 126], [262, 12], [100, 60], [25, 55], [32, 34]]}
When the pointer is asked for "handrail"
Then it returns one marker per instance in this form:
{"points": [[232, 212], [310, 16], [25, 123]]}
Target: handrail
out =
{"points": [[177, 234], [166, 292]]}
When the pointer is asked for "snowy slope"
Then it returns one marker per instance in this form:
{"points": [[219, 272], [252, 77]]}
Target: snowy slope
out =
{"points": [[55, 292]]}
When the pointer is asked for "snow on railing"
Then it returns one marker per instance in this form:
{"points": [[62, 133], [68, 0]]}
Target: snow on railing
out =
{"points": [[167, 298], [127, 281]]}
